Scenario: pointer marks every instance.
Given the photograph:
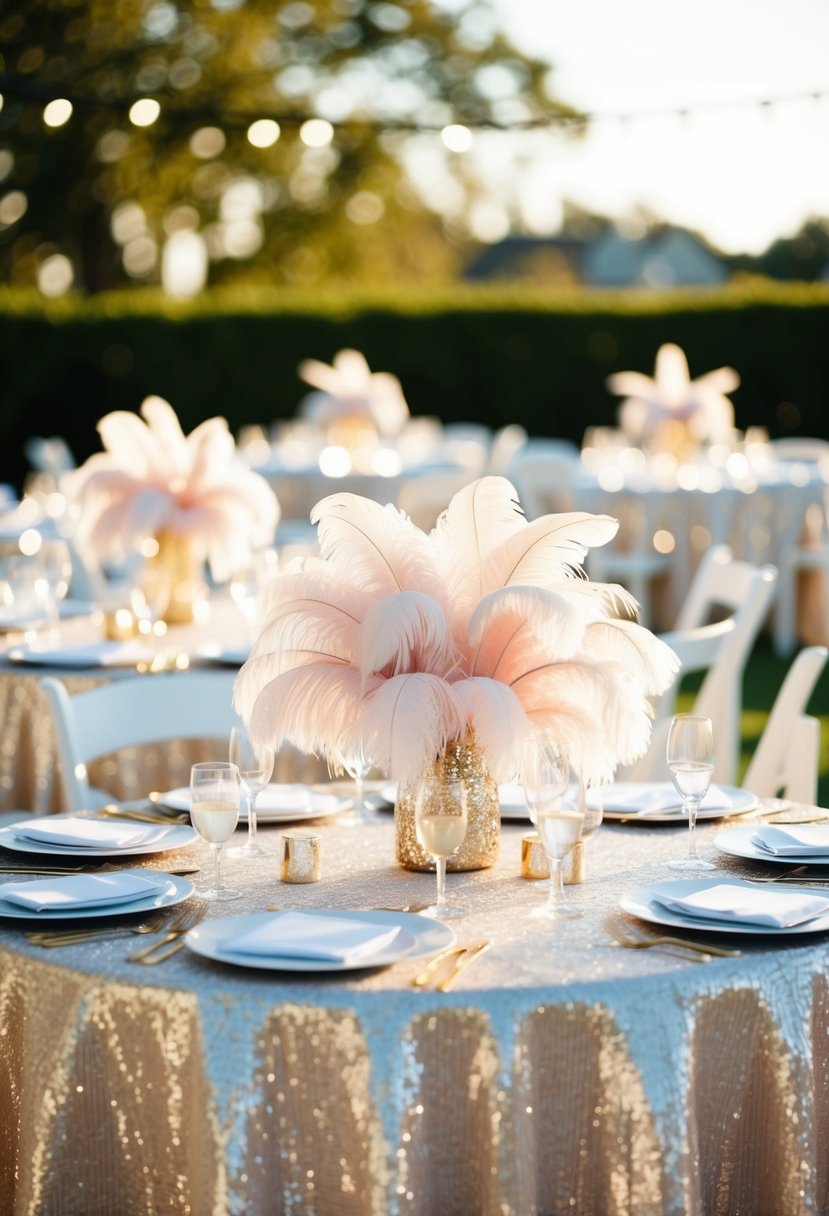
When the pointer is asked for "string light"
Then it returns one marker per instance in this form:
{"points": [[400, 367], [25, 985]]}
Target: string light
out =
{"points": [[263, 131]]}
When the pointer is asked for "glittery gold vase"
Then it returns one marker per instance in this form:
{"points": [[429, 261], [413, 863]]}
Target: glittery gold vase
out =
{"points": [[179, 560], [461, 760]]}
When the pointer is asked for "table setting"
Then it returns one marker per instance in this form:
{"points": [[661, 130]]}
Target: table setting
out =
{"points": [[394, 990]]}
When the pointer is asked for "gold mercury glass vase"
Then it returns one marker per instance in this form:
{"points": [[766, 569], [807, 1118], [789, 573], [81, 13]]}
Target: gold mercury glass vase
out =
{"points": [[183, 565], [461, 760]]}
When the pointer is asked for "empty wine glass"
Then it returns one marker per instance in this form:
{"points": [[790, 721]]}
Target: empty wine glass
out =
{"points": [[559, 824], [690, 756], [150, 598], [214, 813], [247, 583], [255, 764], [357, 764], [440, 825]]}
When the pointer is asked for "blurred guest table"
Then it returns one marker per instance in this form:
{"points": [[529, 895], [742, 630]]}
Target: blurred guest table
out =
{"points": [[27, 751], [562, 1073], [747, 498]]}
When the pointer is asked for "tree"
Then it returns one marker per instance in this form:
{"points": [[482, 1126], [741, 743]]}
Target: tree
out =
{"points": [[333, 200]]}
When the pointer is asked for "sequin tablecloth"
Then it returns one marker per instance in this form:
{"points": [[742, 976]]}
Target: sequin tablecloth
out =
{"points": [[562, 1074]]}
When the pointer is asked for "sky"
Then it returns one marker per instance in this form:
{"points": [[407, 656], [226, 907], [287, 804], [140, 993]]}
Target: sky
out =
{"points": [[742, 174]]}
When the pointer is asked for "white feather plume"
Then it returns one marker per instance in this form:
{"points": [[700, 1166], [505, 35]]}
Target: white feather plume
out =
{"points": [[479, 517], [643, 657], [498, 719], [407, 722], [405, 632], [377, 548], [556, 620], [546, 549]]}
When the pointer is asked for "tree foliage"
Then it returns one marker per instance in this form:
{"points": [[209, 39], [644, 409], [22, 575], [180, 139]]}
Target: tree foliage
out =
{"points": [[107, 193]]}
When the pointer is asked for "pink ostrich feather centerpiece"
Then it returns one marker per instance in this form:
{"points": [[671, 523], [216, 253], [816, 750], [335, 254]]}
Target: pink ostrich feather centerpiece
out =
{"points": [[408, 641]]}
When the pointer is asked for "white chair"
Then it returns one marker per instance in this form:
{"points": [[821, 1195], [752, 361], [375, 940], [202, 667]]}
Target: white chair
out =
{"points": [[507, 443], [132, 711], [629, 559], [425, 496], [786, 760], [720, 649], [804, 539]]}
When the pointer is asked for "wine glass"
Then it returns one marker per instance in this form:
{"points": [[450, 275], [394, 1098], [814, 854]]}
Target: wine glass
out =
{"points": [[150, 598], [559, 825], [690, 756], [440, 825], [214, 813], [255, 764], [247, 583], [356, 763]]}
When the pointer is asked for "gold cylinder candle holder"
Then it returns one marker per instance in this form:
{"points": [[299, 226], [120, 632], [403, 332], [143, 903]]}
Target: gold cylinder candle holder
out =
{"points": [[120, 625], [534, 863], [300, 857]]}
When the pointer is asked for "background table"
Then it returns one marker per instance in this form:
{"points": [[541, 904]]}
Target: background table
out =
{"points": [[563, 1073]]}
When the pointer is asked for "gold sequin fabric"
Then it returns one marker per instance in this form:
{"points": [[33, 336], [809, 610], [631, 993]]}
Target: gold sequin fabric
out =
{"points": [[561, 1074]]}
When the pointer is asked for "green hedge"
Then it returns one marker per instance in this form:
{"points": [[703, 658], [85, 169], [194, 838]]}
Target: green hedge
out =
{"points": [[487, 354]]}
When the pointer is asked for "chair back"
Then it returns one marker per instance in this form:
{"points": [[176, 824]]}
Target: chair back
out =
{"points": [[786, 759], [721, 650], [132, 711]]}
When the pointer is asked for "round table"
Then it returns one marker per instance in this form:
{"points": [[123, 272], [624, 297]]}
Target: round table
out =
{"points": [[562, 1073]]}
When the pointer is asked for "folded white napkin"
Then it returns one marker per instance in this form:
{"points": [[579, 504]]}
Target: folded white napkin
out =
{"points": [[329, 939], [283, 798], [79, 891], [727, 902], [90, 654], [809, 840], [653, 797], [83, 833]]}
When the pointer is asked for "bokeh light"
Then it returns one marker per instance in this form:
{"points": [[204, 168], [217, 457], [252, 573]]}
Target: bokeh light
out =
{"points": [[57, 112], [144, 112]]}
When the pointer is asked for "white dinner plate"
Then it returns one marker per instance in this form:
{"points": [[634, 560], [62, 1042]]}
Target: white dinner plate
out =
{"points": [[641, 903], [225, 656], [741, 802], [419, 937], [271, 804], [736, 842], [511, 798], [172, 891], [89, 654], [179, 837]]}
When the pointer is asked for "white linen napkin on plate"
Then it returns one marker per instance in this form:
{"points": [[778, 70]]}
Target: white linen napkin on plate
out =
{"points": [[808, 840], [77, 832], [62, 894], [89, 654], [329, 939], [654, 797], [727, 902]]}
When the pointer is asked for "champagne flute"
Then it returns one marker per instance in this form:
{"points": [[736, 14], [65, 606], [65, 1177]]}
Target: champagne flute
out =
{"points": [[214, 813], [559, 826], [440, 826], [690, 756], [255, 764]]}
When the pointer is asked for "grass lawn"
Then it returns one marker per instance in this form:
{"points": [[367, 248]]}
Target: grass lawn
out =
{"points": [[763, 677]]}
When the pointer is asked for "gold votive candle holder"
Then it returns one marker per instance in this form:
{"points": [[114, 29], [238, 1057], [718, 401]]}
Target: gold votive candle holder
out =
{"points": [[534, 861], [300, 859], [120, 624]]}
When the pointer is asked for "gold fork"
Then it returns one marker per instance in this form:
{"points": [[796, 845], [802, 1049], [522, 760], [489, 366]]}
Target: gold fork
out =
{"points": [[631, 941], [69, 937], [173, 940], [428, 973]]}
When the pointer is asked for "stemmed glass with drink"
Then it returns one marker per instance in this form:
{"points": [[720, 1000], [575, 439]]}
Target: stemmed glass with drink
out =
{"points": [[255, 764], [690, 756], [559, 822], [214, 813], [440, 826]]}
